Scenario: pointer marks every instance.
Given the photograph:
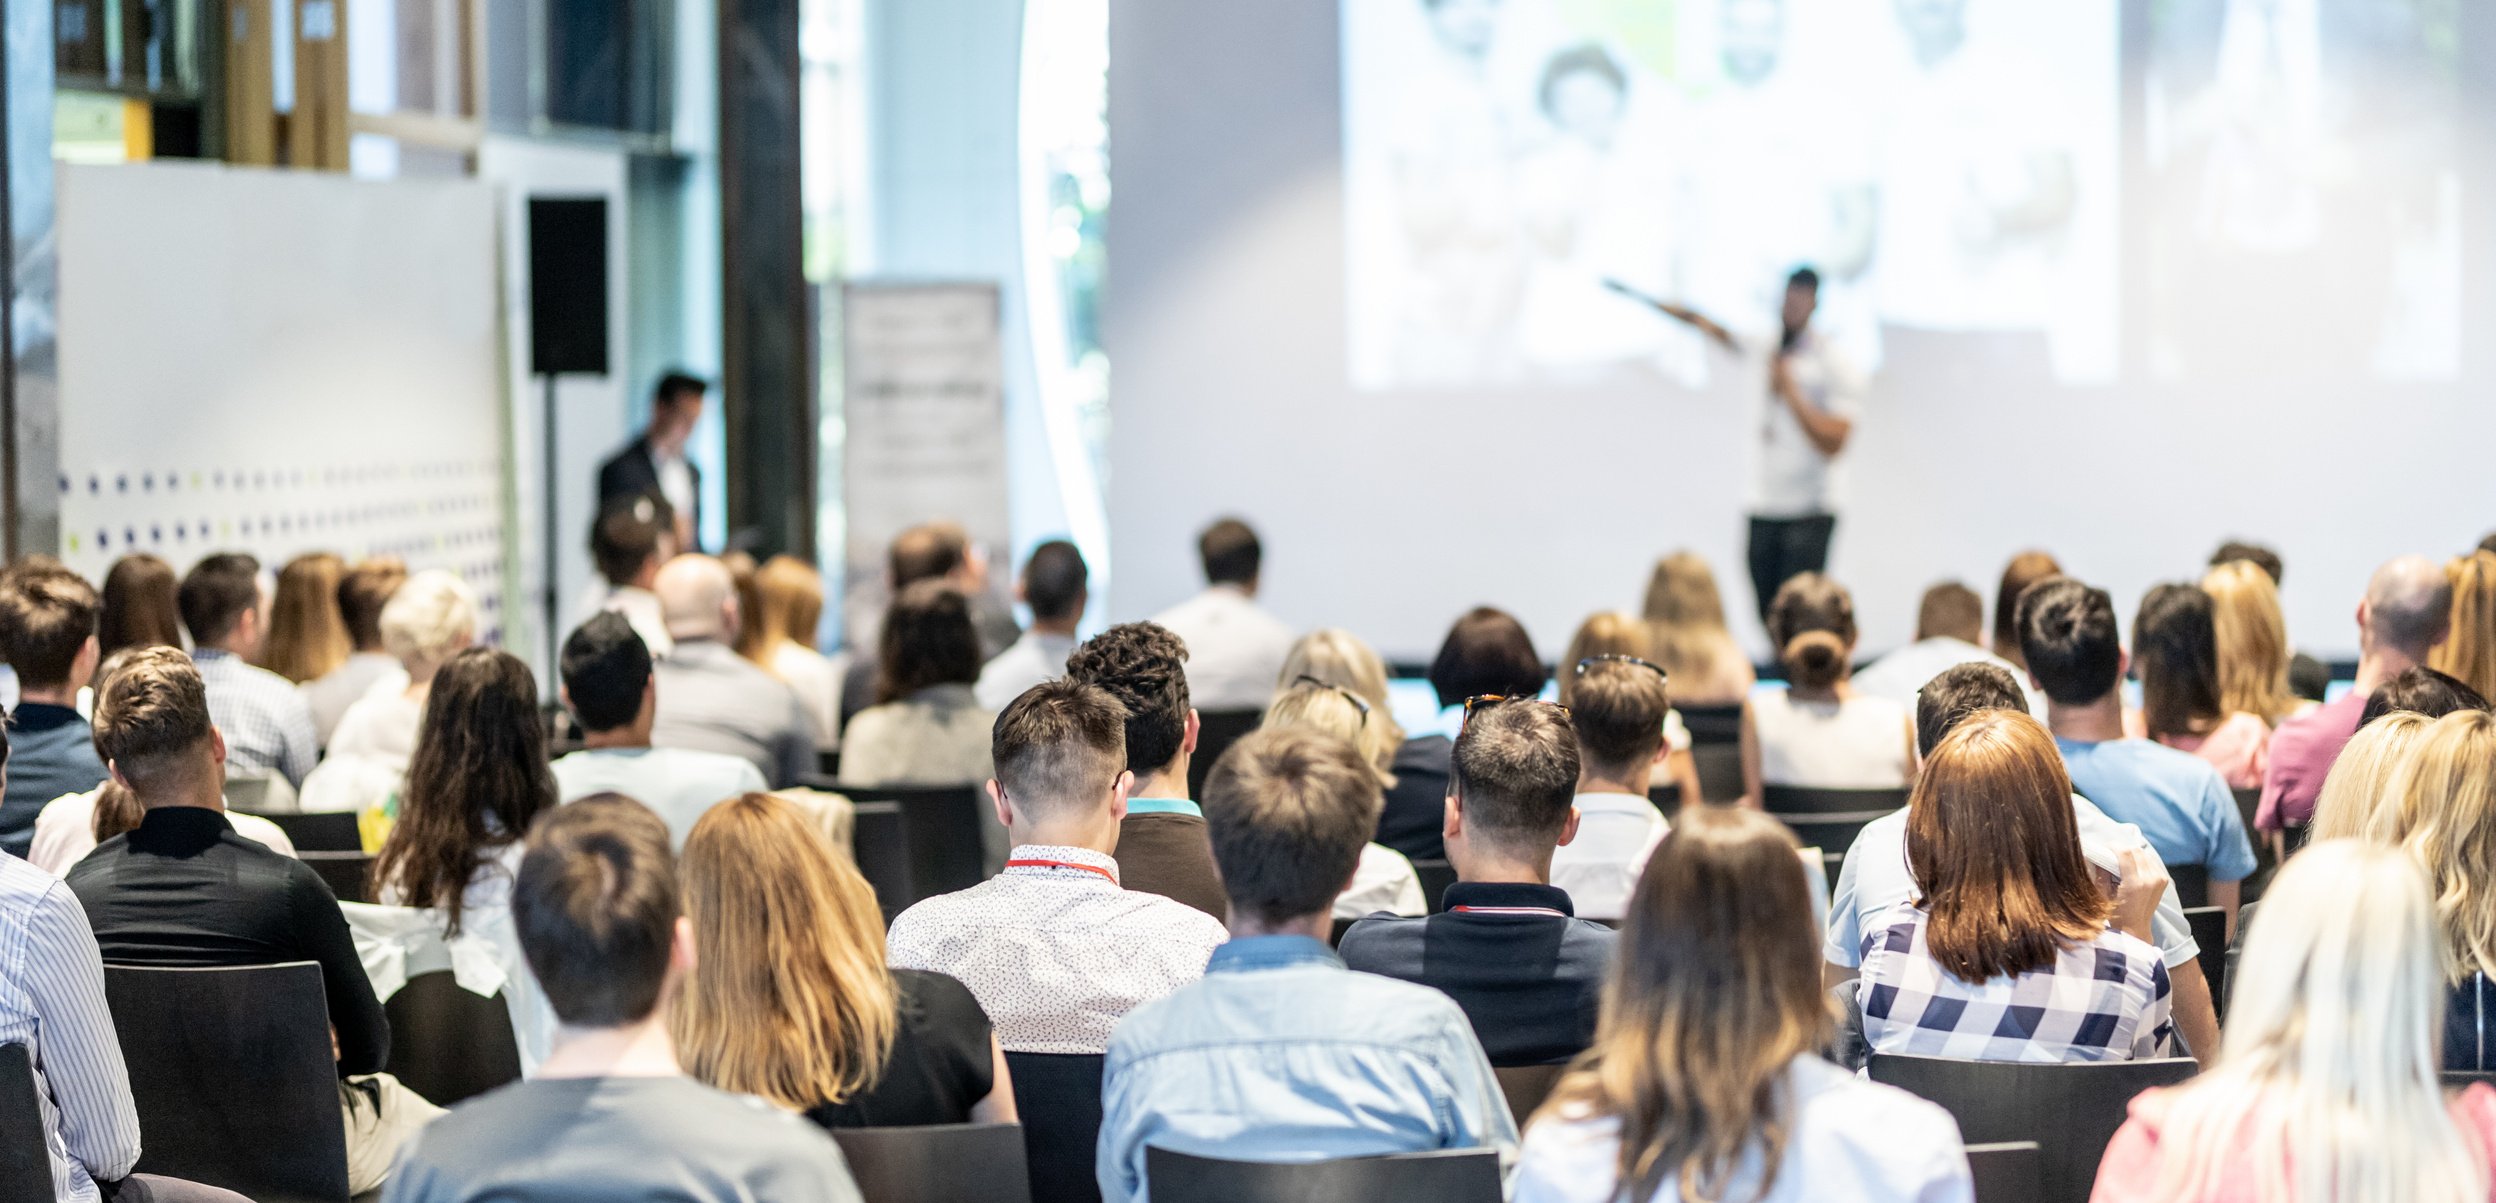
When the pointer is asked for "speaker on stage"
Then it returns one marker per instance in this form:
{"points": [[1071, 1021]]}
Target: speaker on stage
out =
{"points": [[567, 286]]}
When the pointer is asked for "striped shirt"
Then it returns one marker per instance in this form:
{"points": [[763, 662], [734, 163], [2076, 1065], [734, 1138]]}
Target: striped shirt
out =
{"points": [[267, 726], [52, 1001]]}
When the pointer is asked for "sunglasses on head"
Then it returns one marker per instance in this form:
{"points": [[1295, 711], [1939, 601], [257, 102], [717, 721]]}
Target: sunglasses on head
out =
{"points": [[1484, 701], [1358, 702], [1649, 665]]}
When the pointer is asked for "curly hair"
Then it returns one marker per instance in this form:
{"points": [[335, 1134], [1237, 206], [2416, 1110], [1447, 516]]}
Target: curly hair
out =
{"points": [[1144, 666], [477, 780]]}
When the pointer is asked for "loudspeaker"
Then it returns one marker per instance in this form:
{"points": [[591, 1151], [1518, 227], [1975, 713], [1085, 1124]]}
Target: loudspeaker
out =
{"points": [[567, 286]]}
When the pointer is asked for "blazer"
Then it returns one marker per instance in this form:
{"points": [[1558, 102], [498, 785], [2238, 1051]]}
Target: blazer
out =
{"points": [[634, 472]]}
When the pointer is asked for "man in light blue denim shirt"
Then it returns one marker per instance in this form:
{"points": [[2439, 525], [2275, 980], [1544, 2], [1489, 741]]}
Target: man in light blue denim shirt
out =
{"points": [[1280, 1053]]}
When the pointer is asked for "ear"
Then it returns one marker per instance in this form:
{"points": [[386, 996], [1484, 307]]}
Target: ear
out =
{"points": [[1663, 752], [112, 768], [1453, 825], [1195, 724], [682, 955], [1005, 809], [1568, 831], [216, 745], [1118, 793], [2123, 664]]}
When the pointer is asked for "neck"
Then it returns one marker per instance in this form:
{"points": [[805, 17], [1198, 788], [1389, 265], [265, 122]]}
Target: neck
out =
{"points": [[1087, 833], [1600, 781], [2380, 664], [1169, 781], [58, 695], [207, 794], [1843, 689], [1490, 866], [1061, 627], [636, 1050], [2089, 722], [634, 736], [1243, 923], [1246, 588]]}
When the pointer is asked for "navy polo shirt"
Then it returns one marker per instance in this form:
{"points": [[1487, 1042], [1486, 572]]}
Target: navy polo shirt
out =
{"points": [[1526, 970]]}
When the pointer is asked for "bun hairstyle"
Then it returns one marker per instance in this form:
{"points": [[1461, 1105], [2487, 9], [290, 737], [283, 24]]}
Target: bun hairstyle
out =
{"points": [[1812, 621]]}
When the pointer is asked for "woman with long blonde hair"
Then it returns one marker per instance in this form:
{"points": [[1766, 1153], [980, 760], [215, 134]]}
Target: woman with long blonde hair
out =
{"points": [[2469, 652], [1685, 615], [1615, 635], [2352, 803], [2325, 1089], [2253, 642], [1384, 880], [791, 999], [1705, 1081], [307, 632], [2444, 794], [780, 636]]}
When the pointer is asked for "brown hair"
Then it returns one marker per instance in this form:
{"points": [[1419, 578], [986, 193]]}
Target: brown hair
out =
{"points": [[1486, 652], [1604, 633], [2468, 652], [1685, 615], [215, 594], [2025, 569], [1061, 744], [1714, 991], [1230, 553], [741, 569], [47, 614], [2175, 651], [788, 604], [478, 778], [1619, 711], [362, 592], [116, 809], [1515, 766], [596, 908], [138, 605], [307, 633], [927, 552], [1812, 622], [790, 998], [1950, 610], [1288, 812], [1996, 850], [927, 640], [151, 715]]}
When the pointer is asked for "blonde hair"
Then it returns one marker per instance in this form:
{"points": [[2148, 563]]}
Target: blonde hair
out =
{"points": [[307, 633], [2468, 653], [741, 572], [2327, 1083], [788, 605], [429, 617], [2253, 641], [791, 999], [2352, 802], [1338, 657], [1605, 633], [2446, 791], [1324, 708], [1685, 616]]}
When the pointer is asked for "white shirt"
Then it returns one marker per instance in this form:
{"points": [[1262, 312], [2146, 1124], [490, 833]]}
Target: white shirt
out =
{"points": [[381, 726], [1848, 1138], [1898, 675], [1034, 658], [330, 696], [1056, 954], [817, 679], [679, 783], [1860, 743], [640, 607], [1615, 835], [1383, 881], [1235, 650], [675, 482], [1794, 480], [65, 832]]}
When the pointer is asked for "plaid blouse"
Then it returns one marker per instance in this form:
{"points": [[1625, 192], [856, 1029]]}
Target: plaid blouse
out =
{"points": [[2103, 1000]]}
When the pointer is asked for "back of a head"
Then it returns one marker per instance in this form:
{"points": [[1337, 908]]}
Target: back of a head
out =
{"points": [[1486, 653], [2175, 651], [606, 669], [2068, 640], [216, 593], [629, 535], [2409, 606], [2251, 634], [1617, 709], [1230, 553], [2420, 690], [1288, 812], [431, 616], [47, 614], [151, 720], [362, 594], [2446, 793], [1515, 767], [139, 607], [789, 596], [1950, 610], [694, 591], [1812, 623], [1144, 667], [1055, 581], [307, 634], [1995, 850], [2234, 551], [1682, 592], [1958, 693], [596, 909], [2356, 801], [1340, 713], [928, 640], [2469, 648], [2025, 570], [741, 569], [2488, 543], [1059, 748], [1338, 657], [1604, 633], [926, 552], [475, 782]]}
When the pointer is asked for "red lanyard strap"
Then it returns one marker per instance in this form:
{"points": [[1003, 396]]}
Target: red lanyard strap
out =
{"points": [[1506, 910], [1106, 875]]}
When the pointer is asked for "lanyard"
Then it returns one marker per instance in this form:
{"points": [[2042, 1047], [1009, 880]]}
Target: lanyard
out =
{"points": [[1106, 875], [1505, 910]]}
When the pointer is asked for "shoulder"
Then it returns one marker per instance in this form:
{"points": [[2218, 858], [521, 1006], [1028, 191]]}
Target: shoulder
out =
{"points": [[2475, 1110], [1370, 940], [936, 994], [1419, 1011], [695, 762], [1569, 1156], [1179, 920], [1838, 1107]]}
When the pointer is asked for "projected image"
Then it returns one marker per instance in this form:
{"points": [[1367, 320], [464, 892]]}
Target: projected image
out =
{"points": [[1946, 165]]}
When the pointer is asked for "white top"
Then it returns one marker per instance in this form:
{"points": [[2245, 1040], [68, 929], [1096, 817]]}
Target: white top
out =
{"points": [[1235, 650], [640, 607], [679, 783], [65, 832], [1849, 1139], [329, 696], [1034, 658], [1899, 674], [1615, 835], [675, 483], [1860, 743], [1794, 479], [381, 726], [817, 679], [1384, 881]]}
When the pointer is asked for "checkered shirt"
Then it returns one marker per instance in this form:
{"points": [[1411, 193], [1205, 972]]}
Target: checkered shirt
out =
{"points": [[268, 727], [2103, 1000]]}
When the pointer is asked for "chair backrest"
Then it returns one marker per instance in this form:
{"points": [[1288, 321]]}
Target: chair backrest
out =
{"points": [[1811, 800], [1666, 797], [1527, 1086], [940, 830], [1216, 731], [2461, 1079], [1720, 725], [235, 1083], [1059, 1098], [882, 849], [1436, 876], [349, 875], [1828, 831], [2071, 1109], [448, 1044], [314, 831], [1720, 771], [2192, 884], [939, 1163], [2248, 803], [2209, 928], [1439, 1176], [2011, 1171], [25, 1166]]}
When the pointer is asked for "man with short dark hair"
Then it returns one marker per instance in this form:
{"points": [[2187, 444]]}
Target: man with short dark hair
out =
{"points": [[929, 551], [610, 688], [717, 700], [2407, 611], [1507, 947], [631, 540], [611, 1114], [1280, 1053], [1235, 648], [47, 633], [1056, 585], [1162, 847], [267, 727], [1618, 708], [656, 463], [1949, 630], [1057, 948], [362, 593]]}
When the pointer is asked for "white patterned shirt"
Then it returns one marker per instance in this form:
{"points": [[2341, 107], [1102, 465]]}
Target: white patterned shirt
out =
{"points": [[52, 1001], [1056, 953], [2103, 1000], [267, 726]]}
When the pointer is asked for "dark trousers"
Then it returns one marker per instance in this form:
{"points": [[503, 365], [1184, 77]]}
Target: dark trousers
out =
{"points": [[1785, 548]]}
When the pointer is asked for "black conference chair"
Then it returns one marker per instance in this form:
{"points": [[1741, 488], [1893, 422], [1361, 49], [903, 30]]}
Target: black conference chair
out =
{"points": [[2011, 1171], [1720, 772], [2248, 802], [233, 1077], [2461, 1079], [448, 1044], [1526, 1086], [2209, 927], [349, 875], [2192, 885], [1059, 1098], [318, 831], [1712, 724], [1443, 1176], [940, 836], [25, 1168], [1436, 876], [940, 1163], [1829, 819], [1666, 795], [2071, 1110], [1216, 731], [882, 850]]}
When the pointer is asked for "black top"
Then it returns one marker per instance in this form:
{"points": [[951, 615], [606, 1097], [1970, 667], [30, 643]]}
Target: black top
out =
{"points": [[1416, 808], [2470, 1025], [940, 1065], [1529, 982], [182, 891], [634, 472]]}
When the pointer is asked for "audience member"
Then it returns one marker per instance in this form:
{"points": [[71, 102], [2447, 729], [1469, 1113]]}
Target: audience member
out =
{"points": [[655, 464], [2180, 803], [1235, 647], [2252, 639], [1949, 622], [47, 633], [741, 571], [2488, 543], [2468, 652], [611, 1115], [791, 999], [1705, 1080], [478, 778], [1376, 1066], [1486, 654], [789, 596], [2006, 953], [266, 726], [1385, 881], [1618, 710], [2357, 802], [139, 605], [307, 635], [362, 594], [2175, 653], [2025, 569], [1686, 618], [927, 726], [930, 551], [431, 618], [1056, 585], [1613, 634], [1162, 848], [2308, 678], [714, 700], [2251, 553], [632, 539], [2443, 813], [2420, 690], [1819, 731], [2405, 614], [1055, 948], [609, 685], [2327, 1088], [1506, 946]]}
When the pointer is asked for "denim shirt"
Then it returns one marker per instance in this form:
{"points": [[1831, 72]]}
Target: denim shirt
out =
{"points": [[1282, 1054]]}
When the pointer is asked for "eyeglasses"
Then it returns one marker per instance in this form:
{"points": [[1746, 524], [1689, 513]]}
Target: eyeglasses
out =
{"points": [[1358, 702], [1649, 665], [1484, 701]]}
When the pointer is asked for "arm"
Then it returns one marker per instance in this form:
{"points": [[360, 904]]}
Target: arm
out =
{"points": [[1481, 1108], [1683, 768], [1118, 1156], [362, 1031], [998, 1107], [80, 1055], [1827, 431], [2225, 895], [1680, 313], [302, 742], [1752, 792], [2196, 1015]]}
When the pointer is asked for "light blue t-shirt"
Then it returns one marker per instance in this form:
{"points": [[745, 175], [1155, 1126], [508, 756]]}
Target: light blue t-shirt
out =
{"points": [[2180, 803]]}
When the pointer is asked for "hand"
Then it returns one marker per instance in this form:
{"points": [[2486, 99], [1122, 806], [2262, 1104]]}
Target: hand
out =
{"points": [[1780, 376], [2136, 896]]}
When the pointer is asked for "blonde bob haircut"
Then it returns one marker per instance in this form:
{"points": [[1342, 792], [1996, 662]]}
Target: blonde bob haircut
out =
{"points": [[429, 617], [788, 604], [2253, 641], [1325, 708], [2352, 802], [1339, 658], [2446, 791], [1604, 633]]}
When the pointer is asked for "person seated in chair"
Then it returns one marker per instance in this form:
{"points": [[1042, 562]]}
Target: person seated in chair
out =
{"points": [[1618, 709], [47, 633], [260, 713], [1162, 847], [609, 684], [717, 700], [1236, 647]]}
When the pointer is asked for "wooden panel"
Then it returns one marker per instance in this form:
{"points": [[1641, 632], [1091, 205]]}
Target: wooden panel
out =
{"points": [[316, 132], [250, 83]]}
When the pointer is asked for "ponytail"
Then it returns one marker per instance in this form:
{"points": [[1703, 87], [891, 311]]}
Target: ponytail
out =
{"points": [[1814, 659]]}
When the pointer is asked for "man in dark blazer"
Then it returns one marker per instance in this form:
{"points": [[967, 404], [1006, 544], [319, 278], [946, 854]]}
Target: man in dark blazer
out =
{"points": [[656, 462]]}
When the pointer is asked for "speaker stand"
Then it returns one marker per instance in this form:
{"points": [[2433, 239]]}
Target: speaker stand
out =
{"points": [[554, 587]]}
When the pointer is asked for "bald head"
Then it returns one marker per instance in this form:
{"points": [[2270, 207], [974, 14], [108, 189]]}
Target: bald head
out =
{"points": [[698, 598], [2408, 607]]}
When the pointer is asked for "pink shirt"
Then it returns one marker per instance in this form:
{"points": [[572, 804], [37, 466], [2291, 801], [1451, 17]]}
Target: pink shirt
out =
{"points": [[2239, 748], [2130, 1170], [2301, 752]]}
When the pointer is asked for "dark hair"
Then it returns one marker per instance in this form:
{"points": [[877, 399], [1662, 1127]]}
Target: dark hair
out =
{"points": [[927, 551], [1803, 277], [1957, 692], [1230, 553], [2024, 571], [1060, 745], [362, 593], [2420, 690], [1589, 59], [1144, 666], [1950, 610], [2252, 553], [606, 670], [1995, 851], [47, 614], [596, 908], [1288, 810], [2175, 652], [1486, 652], [677, 386], [1515, 766], [1812, 624], [928, 640], [628, 534], [216, 593], [1618, 710], [2067, 632], [478, 778], [2488, 543], [138, 605], [151, 711], [1054, 579]]}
